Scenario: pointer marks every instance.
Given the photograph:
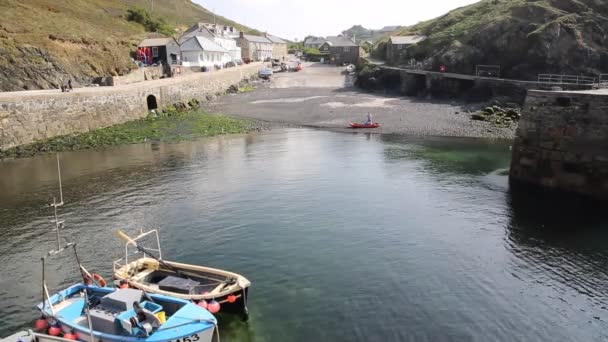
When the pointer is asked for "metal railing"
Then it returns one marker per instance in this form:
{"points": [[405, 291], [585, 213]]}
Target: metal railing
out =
{"points": [[552, 79], [603, 81], [487, 71]]}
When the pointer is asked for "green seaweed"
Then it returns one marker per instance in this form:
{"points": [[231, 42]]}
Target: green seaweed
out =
{"points": [[170, 126]]}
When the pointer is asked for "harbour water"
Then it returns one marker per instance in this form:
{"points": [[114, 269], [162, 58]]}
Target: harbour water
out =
{"points": [[346, 237]]}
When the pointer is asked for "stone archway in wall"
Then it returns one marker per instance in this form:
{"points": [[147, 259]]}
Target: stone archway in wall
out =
{"points": [[152, 103]]}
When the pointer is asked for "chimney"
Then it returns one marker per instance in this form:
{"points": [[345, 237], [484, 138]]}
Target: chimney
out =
{"points": [[241, 34]]}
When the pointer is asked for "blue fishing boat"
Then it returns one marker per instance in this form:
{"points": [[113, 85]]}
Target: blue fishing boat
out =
{"points": [[93, 313], [90, 311]]}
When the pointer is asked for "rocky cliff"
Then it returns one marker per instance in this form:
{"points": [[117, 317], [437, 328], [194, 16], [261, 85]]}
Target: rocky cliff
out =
{"points": [[43, 43], [524, 37]]}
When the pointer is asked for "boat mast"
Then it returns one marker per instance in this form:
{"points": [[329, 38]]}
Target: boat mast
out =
{"points": [[55, 205]]}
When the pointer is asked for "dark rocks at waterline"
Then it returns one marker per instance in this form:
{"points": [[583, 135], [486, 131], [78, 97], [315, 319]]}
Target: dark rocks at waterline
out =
{"points": [[497, 115]]}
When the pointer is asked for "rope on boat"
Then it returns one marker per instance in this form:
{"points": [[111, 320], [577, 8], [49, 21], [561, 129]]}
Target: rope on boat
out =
{"points": [[187, 323]]}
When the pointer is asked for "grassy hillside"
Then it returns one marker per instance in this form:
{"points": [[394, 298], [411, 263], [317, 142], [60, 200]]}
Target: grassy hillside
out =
{"points": [[525, 37], [45, 42]]}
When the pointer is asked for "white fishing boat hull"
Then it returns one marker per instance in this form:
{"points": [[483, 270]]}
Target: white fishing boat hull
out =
{"points": [[199, 282]]}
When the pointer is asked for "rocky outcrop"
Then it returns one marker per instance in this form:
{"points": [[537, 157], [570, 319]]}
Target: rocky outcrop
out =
{"points": [[45, 43], [524, 37], [28, 67]]}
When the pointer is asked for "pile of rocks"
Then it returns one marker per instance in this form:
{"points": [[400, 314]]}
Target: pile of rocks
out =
{"points": [[500, 116]]}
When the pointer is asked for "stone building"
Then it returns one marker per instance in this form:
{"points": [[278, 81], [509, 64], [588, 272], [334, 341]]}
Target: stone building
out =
{"points": [[396, 48], [279, 47], [341, 50], [254, 48]]}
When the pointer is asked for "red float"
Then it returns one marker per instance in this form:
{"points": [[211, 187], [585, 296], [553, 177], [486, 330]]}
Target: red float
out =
{"points": [[231, 299], [213, 306], [203, 304], [54, 330], [41, 324], [70, 336]]}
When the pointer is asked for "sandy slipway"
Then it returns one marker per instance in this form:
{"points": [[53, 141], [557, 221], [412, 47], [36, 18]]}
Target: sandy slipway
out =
{"points": [[300, 99]]}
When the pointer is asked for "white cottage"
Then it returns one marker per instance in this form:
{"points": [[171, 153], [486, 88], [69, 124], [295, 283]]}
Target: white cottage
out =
{"points": [[202, 52], [220, 37]]}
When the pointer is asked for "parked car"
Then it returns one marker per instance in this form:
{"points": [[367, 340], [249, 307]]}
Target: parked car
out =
{"points": [[266, 73]]}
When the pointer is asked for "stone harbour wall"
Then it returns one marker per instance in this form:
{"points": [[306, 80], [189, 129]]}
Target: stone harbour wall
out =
{"points": [[29, 116], [562, 142], [139, 75]]}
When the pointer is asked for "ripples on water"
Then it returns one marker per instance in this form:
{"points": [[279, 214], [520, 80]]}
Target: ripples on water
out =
{"points": [[345, 236]]}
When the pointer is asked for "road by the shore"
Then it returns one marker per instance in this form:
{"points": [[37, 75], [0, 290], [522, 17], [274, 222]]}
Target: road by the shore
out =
{"points": [[322, 96]]}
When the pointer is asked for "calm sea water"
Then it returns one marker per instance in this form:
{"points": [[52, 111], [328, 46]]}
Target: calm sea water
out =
{"points": [[346, 237]]}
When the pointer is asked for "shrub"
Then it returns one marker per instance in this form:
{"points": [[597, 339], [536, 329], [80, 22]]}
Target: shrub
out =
{"points": [[312, 52], [141, 16]]}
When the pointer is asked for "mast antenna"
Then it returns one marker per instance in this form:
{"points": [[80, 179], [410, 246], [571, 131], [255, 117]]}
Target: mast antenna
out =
{"points": [[55, 205]]}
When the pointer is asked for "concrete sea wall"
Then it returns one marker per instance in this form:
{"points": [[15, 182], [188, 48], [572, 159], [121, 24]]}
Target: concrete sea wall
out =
{"points": [[562, 142], [26, 117]]}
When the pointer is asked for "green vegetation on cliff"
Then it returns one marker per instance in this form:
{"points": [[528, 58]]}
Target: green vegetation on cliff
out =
{"points": [[45, 42], [524, 37], [170, 126]]}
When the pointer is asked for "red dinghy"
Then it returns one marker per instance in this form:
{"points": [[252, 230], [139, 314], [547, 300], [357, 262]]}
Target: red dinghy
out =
{"points": [[358, 125]]}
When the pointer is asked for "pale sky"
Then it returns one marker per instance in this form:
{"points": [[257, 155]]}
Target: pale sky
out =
{"points": [[296, 19]]}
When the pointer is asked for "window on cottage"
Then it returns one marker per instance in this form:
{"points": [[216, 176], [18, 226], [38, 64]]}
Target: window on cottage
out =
{"points": [[400, 47], [346, 49], [154, 51]]}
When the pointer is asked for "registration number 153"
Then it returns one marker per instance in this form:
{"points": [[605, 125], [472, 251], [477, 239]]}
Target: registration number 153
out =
{"points": [[193, 338]]}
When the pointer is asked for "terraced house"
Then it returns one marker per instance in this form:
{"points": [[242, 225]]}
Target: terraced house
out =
{"points": [[218, 35], [254, 48], [279, 47]]}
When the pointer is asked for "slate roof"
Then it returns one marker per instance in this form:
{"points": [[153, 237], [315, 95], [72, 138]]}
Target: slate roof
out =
{"points": [[206, 44], [315, 40], [275, 39], [340, 41], [407, 40], [155, 42], [256, 39]]}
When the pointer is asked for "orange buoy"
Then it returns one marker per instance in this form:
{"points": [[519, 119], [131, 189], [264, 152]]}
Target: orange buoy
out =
{"points": [[231, 298], [71, 336], [55, 330], [41, 324], [102, 282], [203, 304], [213, 306]]}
